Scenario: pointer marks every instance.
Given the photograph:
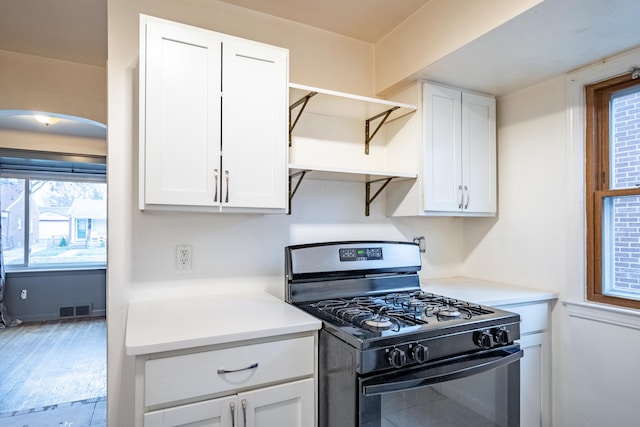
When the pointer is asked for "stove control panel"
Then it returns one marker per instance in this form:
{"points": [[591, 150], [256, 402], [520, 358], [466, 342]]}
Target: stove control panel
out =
{"points": [[494, 337], [405, 354], [360, 254]]}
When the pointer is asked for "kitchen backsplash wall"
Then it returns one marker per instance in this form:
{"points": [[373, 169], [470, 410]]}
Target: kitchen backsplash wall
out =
{"points": [[236, 251]]}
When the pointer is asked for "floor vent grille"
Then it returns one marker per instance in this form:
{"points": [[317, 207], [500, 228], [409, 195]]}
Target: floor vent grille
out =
{"points": [[75, 311]]}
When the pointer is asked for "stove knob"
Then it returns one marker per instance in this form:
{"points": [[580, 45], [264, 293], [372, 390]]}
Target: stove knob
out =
{"points": [[397, 358], [419, 353], [483, 339], [502, 336]]}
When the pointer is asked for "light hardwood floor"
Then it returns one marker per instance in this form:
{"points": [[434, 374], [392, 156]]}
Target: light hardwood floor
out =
{"points": [[51, 363]]}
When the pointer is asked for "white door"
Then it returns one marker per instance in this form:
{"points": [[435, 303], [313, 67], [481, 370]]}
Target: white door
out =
{"points": [[286, 405], [442, 154], [479, 153], [181, 106], [211, 413], [254, 125]]}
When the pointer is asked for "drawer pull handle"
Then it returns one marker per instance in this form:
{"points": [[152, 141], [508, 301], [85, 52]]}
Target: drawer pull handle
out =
{"points": [[228, 371]]}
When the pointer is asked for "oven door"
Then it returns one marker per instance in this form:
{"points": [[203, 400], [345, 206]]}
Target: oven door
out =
{"points": [[482, 389]]}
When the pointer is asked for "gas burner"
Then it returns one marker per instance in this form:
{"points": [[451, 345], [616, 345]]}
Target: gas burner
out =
{"points": [[378, 322], [449, 312], [414, 304]]}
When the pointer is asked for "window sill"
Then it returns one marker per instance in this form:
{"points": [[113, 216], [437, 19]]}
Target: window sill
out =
{"points": [[19, 270], [627, 318]]}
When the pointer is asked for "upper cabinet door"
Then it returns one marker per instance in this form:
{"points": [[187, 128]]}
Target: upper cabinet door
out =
{"points": [[180, 113], [479, 151], [443, 187], [459, 152], [254, 125]]}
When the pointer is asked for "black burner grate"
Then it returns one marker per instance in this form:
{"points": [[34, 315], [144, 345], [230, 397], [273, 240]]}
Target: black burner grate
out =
{"points": [[397, 310]]}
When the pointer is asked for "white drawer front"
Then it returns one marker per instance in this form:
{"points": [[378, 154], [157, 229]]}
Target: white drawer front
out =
{"points": [[192, 375], [533, 317]]}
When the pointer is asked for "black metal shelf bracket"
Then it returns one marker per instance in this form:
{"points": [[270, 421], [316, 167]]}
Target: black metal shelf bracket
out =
{"points": [[292, 190], [368, 198], [302, 101], [368, 136]]}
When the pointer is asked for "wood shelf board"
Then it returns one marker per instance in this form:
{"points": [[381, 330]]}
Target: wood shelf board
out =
{"points": [[340, 104]]}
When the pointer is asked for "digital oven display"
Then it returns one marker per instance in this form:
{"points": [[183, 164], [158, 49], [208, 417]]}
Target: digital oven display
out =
{"points": [[360, 254]]}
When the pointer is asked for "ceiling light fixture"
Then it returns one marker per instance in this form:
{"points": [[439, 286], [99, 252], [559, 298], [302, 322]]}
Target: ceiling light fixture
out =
{"points": [[46, 120]]}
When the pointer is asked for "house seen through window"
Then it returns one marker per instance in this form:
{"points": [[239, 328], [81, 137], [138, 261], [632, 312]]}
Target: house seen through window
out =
{"points": [[613, 191], [54, 213]]}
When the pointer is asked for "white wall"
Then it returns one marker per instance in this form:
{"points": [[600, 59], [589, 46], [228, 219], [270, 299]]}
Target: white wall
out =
{"points": [[35, 83], [537, 241], [42, 84], [525, 243]]}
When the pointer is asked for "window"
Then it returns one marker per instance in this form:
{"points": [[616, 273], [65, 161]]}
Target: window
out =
{"points": [[54, 212], [613, 191]]}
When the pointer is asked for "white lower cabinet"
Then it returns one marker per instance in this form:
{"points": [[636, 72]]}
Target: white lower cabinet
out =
{"points": [[251, 384], [535, 372], [285, 405], [534, 380]]}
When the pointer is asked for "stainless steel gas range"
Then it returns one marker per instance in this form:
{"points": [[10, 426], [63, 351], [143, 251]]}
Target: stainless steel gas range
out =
{"points": [[393, 354]]}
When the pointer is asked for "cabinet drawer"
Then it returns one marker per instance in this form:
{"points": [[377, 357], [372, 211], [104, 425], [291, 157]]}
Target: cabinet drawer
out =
{"points": [[533, 317], [191, 375]]}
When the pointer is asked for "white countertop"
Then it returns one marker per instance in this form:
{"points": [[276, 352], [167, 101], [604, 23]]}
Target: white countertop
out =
{"points": [[485, 292], [185, 322]]}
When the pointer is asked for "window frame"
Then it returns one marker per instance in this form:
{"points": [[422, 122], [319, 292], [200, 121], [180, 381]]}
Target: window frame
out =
{"points": [[597, 180], [29, 166]]}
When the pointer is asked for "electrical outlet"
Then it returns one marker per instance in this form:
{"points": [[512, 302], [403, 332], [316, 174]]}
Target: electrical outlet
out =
{"points": [[183, 257], [422, 243], [23, 294]]}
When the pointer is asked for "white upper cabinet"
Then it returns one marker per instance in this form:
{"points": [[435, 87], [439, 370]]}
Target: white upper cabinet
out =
{"points": [[456, 147], [213, 120], [254, 125], [460, 151]]}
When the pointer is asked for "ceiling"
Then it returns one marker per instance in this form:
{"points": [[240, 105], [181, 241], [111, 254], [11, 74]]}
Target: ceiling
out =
{"points": [[553, 38], [366, 20]]}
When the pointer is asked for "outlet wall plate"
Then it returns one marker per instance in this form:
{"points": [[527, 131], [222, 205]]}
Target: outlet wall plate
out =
{"points": [[183, 257]]}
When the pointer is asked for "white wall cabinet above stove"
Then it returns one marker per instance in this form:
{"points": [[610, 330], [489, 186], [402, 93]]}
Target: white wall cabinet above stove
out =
{"points": [[457, 155], [213, 120]]}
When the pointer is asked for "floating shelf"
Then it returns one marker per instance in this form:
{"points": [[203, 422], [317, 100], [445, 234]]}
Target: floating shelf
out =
{"points": [[368, 177], [353, 175], [372, 112]]}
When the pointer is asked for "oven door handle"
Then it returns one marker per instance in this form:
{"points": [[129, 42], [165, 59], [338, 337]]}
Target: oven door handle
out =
{"points": [[442, 371]]}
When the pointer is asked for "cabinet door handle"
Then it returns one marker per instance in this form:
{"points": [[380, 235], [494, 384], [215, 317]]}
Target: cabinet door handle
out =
{"points": [[461, 196], [233, 414], [228, 371], [244, 411], [215, 174], [466, 190], [226, 177]]}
